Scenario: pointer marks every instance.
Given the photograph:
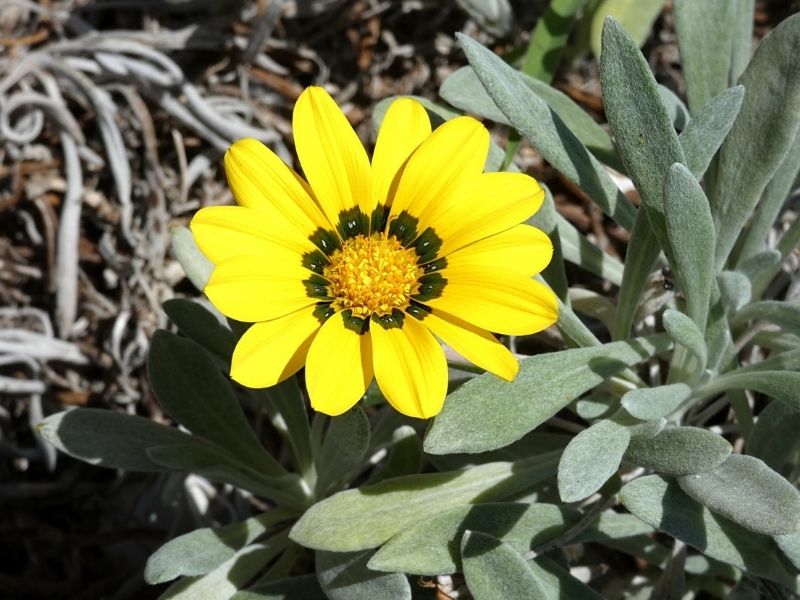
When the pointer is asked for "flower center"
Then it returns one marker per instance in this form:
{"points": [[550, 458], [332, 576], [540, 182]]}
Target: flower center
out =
{"points": [[372, 275]]}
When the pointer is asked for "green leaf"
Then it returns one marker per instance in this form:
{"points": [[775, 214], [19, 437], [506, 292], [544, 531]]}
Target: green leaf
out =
{"points": [[596, 405], [651, 403], [790, 545], [487, 413], [774, 435], [743, 18], [495, 570], [635, 16], [783, 314], [345, 576], [197, 323], [705, 133], [190, 386], [645, 137], [679, 451], [662, 504], [781, 385], [580, 251], [546, 131], [612, 525], [197, 267], [344, 448], [558, 583], [746, 491], [704, 31], [549, 38], [405, 455], [761, 136], [590, 459], [226, 579], [573, 329], [690, 231], [304, 587], [760, 269], [684, 331], [546, 219], [431, 546], [366, 517], [202, 550], [735, 290], [464, 90], [110, 439], [676, 109], [494, 16]]}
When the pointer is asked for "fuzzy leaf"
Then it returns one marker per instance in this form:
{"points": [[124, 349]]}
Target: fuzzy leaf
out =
{"points": [[783, 314], [684, 331], [303, 587], [774, 435], [487, 413], [746, 491], [651, 403], [345, 576], [590, 459], [344, 447], [735, 290], [197, 267], [679, 451], [197, 323], [636, 16]]}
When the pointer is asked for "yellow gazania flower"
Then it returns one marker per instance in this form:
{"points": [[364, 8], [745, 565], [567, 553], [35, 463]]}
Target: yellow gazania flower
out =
{"points": [[358, 271]]}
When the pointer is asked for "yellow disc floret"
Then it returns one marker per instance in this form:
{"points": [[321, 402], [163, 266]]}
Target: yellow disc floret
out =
{"points": [[372, 275]]}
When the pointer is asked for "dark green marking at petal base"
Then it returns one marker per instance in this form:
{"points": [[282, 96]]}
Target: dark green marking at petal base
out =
{"points": [[404, 228], [430, 287], [323, 311], [353, 323], [392, 321], [418, 311], [325, 240], [352, 222], [378, 219], [315, 261], [317, 287], [434, 266], [427, 245]]}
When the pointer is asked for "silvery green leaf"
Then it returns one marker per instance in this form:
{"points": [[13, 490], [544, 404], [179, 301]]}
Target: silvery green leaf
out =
{"points": [[746, 491], [546, 131], [781, 385], [760, 269], [761, 135], [286, 406], [651, 403], [202, 550], [645, 137], [690, 231], [774, 435], [303, 587], [590, 459], [345, 576], [735, 290], [557, 581], [772, 200], [684, 331], [676, 109], [197, 323], [190, 386], [662, 504], [783, 314], [495, 570], [790, 545], [343, 449], [636, 16], [110, 439], [431, 546], [704, 31], [487, 413], [719, 340], [596, 405], [405, 455], [367, 517], [227, 579], [705, 133], [464, 90], [546, 219], [594, 304], [679, 451], [642, 254], [647, 429], [742, 36], [197, 267], [494, 16], [572, 328], [580, 251], [612, 525]]}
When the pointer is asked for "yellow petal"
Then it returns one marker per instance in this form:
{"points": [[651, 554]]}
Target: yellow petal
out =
{"points": [[271, 351], [404, 127], [523, 249], [225, 231], [497, 299], [410, 367], [252, 288], [442, 165], [260, 179], [493, 203], [338, 367], [333, 159], [476, 345]]}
